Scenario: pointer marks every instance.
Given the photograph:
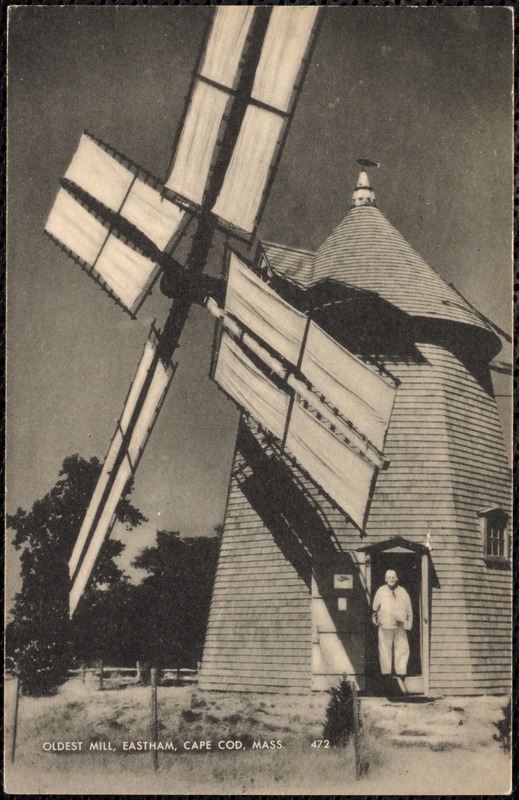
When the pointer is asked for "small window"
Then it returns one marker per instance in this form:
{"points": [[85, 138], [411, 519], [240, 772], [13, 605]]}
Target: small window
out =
{"points": [[496, 537]]}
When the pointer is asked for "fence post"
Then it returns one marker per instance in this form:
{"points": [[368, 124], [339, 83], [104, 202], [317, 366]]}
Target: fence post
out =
{"points": [[138, 673], [357, 735], [101, 675], [15, 717], [154, 717], [83, 672]]}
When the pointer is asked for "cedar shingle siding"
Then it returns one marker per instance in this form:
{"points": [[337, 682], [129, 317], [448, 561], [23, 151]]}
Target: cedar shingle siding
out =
{"points": [[448, 463], [259, 630]]}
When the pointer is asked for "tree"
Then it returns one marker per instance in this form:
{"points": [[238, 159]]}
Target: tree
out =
{"points": [[103, 626], [173, 600], [39, 634]]}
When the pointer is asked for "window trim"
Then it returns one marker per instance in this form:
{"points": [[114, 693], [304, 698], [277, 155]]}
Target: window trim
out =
{"points": [[495, 516]]}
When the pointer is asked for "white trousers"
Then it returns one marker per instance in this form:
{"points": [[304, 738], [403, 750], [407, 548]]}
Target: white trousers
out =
{"points": [[393, 641]]}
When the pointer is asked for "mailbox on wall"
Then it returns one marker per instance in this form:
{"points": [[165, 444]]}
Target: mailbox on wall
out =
{"points": [[343, 581]]}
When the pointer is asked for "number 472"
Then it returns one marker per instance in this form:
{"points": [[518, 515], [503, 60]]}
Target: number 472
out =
{"points": [[317, 743]]}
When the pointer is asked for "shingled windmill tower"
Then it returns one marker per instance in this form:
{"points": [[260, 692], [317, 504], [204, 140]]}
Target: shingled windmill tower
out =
{"points": [[290, 609]]}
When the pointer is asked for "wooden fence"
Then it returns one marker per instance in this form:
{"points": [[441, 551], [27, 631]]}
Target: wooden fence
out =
{"points": [[178, 676]]}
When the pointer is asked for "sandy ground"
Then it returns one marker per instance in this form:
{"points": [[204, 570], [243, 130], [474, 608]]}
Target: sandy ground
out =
{"points": [[441, 748]]}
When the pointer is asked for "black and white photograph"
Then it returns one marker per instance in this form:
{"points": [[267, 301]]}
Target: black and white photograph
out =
{"points": [[259, 400]]}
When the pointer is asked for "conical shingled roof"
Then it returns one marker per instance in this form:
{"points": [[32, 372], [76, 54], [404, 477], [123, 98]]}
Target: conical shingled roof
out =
{"points": [[365, 251]]}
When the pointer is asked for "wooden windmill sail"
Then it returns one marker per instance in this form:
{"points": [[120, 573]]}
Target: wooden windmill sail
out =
{"points": [[327, 408], [121, 226]]}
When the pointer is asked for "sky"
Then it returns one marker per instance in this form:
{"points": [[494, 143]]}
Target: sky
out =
{"points": [[424, 91]]}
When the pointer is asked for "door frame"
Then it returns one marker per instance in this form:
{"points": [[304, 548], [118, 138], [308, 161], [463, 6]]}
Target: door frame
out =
{"points": [[429, 580]]}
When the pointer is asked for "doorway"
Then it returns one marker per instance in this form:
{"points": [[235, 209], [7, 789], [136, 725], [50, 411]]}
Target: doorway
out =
{"points": [[408, 568], [413, 565]]}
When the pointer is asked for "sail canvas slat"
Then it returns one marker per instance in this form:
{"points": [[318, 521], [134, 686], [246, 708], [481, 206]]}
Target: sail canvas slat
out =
{"points": [[126, 272], [101, 485], [115, 446], [242, 192], [103, 528], [255, 153], [225, 45], [344, 475], [159, 384], [250, 388], [360, 395], [262, 310], [286, 43], [125, 467], [75, 228], [137, 384], [99, 173], [123, 272], [156, 216], [197, 142]]}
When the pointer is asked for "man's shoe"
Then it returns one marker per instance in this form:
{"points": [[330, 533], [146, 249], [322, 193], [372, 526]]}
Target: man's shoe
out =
{"points": [[400, 679]]}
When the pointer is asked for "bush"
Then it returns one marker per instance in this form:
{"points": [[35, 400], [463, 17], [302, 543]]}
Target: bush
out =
{"points": [[339, 724], [41, 668], [504, 727]]}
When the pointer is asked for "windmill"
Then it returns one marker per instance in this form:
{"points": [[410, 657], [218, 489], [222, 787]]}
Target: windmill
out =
{"points": [[319, 411], [294, 586], [122, 226]]}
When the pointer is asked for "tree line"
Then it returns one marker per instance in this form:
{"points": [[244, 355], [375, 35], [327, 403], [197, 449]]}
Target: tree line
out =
{"points": [[160, 621]]}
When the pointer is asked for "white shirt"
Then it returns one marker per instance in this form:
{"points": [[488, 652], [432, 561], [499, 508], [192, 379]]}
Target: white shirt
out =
{"points": [[393, 606]]}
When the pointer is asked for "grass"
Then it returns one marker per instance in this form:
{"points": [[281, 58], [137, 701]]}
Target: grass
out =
{"points": [[82, 713]]}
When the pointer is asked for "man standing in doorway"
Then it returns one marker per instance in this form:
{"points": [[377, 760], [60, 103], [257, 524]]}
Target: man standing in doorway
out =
{"points": [[393, 614]]}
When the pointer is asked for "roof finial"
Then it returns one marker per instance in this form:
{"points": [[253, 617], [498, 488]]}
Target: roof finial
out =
{"points": [[364, 194]]}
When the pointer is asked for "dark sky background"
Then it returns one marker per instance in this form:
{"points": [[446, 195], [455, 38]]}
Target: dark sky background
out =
{"points": [[424, 91]]}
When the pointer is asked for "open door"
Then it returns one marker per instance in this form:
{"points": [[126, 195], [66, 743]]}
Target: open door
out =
{"points": [[339, 607], [412, 563]]}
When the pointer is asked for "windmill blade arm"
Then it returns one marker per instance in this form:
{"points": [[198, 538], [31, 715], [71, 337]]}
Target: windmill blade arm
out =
{"points": [[111, 217], [101, 532], [143, 403], [238, 112], [286, 51], [333, 463], [205, 118], [359, 442], [125, 273], [113, 452], [360, 394], [92, 273]]}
